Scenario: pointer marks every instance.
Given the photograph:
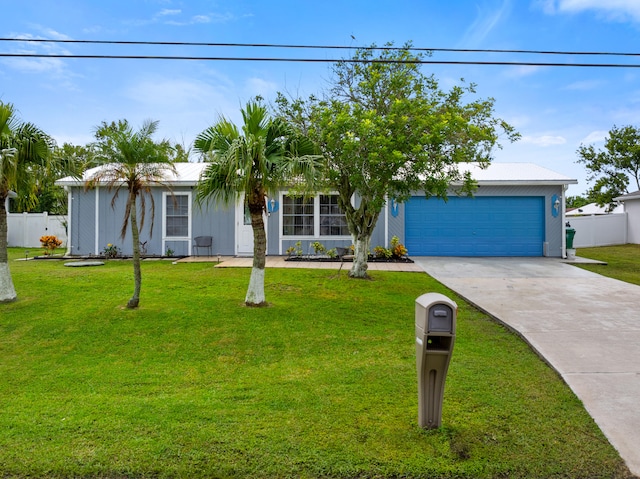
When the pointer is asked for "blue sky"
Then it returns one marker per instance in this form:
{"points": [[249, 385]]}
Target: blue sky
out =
{"points": [[554, 108]]}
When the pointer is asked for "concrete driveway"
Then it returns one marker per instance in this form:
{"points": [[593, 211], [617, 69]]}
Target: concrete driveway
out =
{"points": [[586, 326]]}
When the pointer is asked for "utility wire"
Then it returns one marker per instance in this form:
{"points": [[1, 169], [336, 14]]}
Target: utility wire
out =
{"points": [[320, 60], [317, 47]]}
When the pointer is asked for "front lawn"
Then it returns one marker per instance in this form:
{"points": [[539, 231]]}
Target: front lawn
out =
{"points": [[623, 261], [320, 384]]}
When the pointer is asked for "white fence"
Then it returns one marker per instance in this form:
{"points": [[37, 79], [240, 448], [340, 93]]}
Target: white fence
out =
{"points": [[25, 229], [599, 230]]}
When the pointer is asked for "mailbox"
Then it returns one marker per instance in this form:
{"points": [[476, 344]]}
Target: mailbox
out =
{"points": [[435, 336]]}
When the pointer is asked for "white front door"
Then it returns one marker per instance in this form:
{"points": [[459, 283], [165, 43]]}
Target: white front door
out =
{"points": [[244, 231]]}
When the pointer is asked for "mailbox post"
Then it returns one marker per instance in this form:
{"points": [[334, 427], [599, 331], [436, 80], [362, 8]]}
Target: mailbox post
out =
{"points": [[435, 335]]}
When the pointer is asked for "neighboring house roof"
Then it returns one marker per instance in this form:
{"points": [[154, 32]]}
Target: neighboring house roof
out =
{"points": [[631, 196], [494, 174], [593, 209]]}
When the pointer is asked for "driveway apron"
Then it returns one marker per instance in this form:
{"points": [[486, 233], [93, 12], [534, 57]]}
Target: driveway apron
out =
{"points": [[586, 326]]}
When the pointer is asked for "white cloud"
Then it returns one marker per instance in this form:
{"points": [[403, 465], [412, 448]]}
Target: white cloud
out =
{"points": [[544, 140], [620, 10], [166, 11], [584, 85], [258, 86], [184, 106], [55, 68], [597, 136], [486, 21], [522, 71], [547, 6]]}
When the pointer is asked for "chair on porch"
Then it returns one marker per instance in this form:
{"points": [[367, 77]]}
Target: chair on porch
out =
{"points": [[203, 242]]}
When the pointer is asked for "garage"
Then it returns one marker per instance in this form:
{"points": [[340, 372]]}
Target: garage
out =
{"points": [[475, 226]]}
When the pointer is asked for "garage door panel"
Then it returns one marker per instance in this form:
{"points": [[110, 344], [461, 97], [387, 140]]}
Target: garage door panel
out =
{"points": [[479, 226]]}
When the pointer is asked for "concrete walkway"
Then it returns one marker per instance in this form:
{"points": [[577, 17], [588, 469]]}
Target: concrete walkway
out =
{"points": [[281, 262], [586, 326]]}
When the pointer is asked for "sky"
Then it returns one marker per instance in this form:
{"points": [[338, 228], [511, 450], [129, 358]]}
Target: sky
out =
{"points": [[555, 109]]}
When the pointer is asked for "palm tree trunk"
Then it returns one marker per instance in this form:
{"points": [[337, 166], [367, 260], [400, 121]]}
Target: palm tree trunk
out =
{"points": [[135, 237], [7, 290], [255, 292]]}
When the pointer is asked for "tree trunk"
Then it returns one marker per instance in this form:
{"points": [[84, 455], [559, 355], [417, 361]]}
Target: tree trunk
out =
{"points": [[255, 292], [360, 258], [7, 291], [135, 237]]}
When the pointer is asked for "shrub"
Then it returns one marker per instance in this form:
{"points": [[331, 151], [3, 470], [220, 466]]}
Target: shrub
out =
{"points": [[382, 252], [111, 251], [318, 247], [295, 250], [50, 243], [398, 250]]}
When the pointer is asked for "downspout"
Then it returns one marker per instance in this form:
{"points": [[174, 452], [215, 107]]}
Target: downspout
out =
{"points": [[563, 253], [386, 221], [69, 222], [97, 225]]}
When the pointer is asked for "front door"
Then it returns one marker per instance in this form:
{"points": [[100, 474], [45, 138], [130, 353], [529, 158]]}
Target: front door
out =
{"points": [[244, 231]]}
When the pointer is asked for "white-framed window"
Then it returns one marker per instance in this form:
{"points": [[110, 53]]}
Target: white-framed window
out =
{"points": [[298, 216], [332, 219], [319, 216], [176, 215]]}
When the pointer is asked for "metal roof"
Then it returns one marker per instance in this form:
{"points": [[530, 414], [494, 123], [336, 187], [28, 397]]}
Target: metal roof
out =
{"points": [[188, 174], [515, 174], [494, 174], [631, 196]]}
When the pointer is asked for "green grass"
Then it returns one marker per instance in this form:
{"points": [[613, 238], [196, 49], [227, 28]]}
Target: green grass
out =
{"points": [[320, 384], [623, 262]]}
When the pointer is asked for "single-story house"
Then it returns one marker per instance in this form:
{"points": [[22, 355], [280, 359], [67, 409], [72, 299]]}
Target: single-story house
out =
{"points": [[631, 204], [594, 209], [517, 210]]}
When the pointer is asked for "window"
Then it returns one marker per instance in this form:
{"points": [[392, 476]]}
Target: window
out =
{"points": [[297, 216], [332, 220], [319, 216], [177, 216]]}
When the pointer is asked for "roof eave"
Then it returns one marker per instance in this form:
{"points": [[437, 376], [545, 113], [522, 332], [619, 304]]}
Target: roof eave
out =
{"points": [[527, 182]]}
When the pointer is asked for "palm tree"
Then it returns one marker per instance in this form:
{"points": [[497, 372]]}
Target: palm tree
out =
{"points": [[23, 147], [132, 161], [263, 157]]}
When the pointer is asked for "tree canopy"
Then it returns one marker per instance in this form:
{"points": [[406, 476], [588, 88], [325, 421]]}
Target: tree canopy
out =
{"points": [[616, 167], [252, 163], [386, 130], [24, 148], [133, 161]]}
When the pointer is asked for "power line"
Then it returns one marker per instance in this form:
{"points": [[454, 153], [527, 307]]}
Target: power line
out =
{"points": [[317, 47], [319, 60]]}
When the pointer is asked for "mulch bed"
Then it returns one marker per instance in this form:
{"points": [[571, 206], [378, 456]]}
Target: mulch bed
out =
{"points": [[347, 259]]}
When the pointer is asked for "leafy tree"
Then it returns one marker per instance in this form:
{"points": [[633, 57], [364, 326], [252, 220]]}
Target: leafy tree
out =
{"points": [[615, 167], [23, 147], [133, 161], [68, 160], [576, 201], [256, 161], [386, 131]]}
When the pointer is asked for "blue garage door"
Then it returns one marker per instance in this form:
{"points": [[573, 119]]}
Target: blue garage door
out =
{"points": [[478, 226]]}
